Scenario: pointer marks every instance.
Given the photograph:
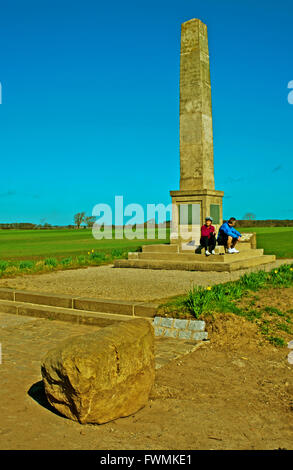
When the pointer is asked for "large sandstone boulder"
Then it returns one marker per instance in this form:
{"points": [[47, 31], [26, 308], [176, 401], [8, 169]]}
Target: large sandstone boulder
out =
{"points": [[102, 376]]}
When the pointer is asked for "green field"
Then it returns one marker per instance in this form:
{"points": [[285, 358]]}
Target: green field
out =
{"points": [[40, 244], [274, 240]]}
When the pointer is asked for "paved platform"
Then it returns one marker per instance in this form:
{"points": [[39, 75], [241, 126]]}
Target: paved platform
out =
{"points": [[127, 284]]}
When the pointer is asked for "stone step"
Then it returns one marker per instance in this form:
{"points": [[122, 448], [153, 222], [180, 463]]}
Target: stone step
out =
{"points": [[164, 248], [183, 256], [160, 248], [185, 247], [64, 314], [252, 262], [243, 246], [196, 266], [119, 307]]}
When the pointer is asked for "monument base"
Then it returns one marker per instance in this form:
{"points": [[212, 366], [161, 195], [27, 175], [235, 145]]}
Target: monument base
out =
{"points": [[175, 257], [189, 210]]}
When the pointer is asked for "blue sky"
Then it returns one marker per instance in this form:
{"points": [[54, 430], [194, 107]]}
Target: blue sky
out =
{"points": [[90, 104]]}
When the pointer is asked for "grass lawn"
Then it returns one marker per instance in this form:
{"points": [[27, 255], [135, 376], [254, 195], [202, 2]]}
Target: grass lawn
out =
{"points": [[39, 244], [274, 240]]}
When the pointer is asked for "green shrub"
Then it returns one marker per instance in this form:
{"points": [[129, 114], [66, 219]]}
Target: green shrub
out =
{"points": [[254, 281], [3, 265], [66, 261], [26, 265], [52, 262], [281, 277], [276, 341], [198, 301], [118, 252], [98, 256]]}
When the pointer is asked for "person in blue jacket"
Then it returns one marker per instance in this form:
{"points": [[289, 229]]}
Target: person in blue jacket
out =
{"points": [[229, 236]]}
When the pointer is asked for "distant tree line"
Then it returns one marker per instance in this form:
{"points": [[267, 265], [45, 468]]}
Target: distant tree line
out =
{"points": [[264, 223], [29, 226], [80, 218]]}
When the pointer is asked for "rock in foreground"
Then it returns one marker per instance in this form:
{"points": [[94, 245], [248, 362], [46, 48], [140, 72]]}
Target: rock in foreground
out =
{"points": [[102, 376]]}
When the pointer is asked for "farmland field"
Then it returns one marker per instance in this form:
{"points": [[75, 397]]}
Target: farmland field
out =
{"points": [[38, 244], [274, 240]]}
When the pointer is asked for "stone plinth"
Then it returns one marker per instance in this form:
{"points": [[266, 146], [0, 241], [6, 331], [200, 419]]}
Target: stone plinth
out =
{"points": [[198, 205]]}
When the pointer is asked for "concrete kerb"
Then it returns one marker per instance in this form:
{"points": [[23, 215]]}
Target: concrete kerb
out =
{"points": [[63, 314], [118, 307], [100, 312]]}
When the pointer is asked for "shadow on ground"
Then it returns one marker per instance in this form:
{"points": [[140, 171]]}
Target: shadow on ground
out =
{"points": [[37, 393]]}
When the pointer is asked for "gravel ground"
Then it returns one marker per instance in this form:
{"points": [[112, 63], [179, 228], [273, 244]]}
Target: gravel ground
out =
{"points": [[232, 393], [124, 283]]}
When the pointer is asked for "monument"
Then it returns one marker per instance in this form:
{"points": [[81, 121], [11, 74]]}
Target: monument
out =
{"points": [[196, 198]]}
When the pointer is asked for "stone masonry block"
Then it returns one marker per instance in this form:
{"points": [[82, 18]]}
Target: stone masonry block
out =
{"points": [[168, 322], [41, 298], [200, 335], [196, 325], [159, 331], [6, 294], [184, 334], [157, 321], [171, 333], [181, 324]]}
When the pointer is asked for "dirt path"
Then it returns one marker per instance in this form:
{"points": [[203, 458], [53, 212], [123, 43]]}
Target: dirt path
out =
{"points": [[235, 392], [123, 283]]}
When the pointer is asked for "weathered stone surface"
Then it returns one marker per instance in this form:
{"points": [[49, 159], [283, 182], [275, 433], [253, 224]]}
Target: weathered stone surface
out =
{"points": [[102, 376], [181, 324], [170, 333], [200, 335], [42, 298], [197, 325], [104, 305], [6, 294], [168, 322], [184, 334], [196, 130]]}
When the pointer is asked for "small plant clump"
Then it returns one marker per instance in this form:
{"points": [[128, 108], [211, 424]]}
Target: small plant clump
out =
{"points": [[225, 298], [90, 258]]}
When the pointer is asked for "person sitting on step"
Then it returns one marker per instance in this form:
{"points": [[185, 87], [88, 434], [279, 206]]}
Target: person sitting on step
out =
{"points": [[208, 237], [229, 236]]}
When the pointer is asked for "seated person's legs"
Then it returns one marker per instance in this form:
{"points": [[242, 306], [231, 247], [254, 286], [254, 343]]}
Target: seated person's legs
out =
{"points": [[231, 245], [222, 239], [234, 241], [212, 242], [204, 242], [229, 242]]}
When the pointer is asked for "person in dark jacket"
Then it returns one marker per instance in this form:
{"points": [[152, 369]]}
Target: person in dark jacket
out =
{"points": [[229, 236], [208, 237]]}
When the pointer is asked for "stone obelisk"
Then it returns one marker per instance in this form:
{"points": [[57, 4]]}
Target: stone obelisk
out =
{"points": [[197, 197]]}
